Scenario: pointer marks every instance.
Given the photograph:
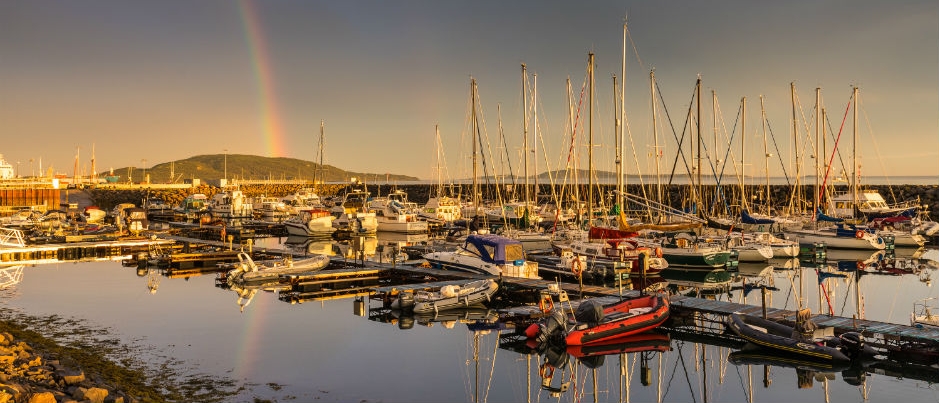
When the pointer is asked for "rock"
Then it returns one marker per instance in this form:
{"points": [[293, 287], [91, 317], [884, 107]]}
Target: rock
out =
{"points": [[12, 389], [94, 395], [114, 399], [42, 397], [71, 376]]}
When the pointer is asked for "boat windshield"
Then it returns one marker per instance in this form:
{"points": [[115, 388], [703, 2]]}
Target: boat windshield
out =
{"points": [[514, 252]]}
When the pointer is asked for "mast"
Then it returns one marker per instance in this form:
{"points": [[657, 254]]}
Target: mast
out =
{"points": [[571, 158], [797, 191], [534, 115], [743, 170], [320, 152], [439, 175], [698, 160], [854, 173], [655, 138], [525, 133], [619, 149], [766, 153], [475, 151], [621, 125], [815, 200], [590, 140]]}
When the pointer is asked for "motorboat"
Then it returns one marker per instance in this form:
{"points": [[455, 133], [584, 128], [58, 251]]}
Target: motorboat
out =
{"points": [[805, 340], [594, 322], [310, 222], [394, 216], [449, 296], [487, 254], [352, 215]]}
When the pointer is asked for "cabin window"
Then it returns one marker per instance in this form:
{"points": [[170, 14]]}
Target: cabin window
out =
{"points": [[514, 252]]}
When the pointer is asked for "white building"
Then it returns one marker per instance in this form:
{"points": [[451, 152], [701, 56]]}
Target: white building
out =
{"points": [[6, 170]]}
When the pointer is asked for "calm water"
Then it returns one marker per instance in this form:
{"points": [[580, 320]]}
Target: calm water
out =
{"points": [[322, 351]]}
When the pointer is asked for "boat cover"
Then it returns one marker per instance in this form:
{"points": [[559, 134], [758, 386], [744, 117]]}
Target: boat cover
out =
{"points": [[746, 218], [492, 248]]}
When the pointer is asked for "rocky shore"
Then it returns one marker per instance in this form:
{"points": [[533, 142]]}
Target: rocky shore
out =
{"points": [[40, 376], [53, 359]]}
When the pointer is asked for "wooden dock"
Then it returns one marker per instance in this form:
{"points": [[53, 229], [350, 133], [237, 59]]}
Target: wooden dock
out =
{"points": [[74, 251]]}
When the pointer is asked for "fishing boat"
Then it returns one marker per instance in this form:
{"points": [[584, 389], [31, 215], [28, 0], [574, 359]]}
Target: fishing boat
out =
{"points": [[310, 222], [685, 249], [487, 254], [249, 271], [352, 215], [839, 237], [804, 341], [450, 296], [594, 322], [747, 250], [394, 216], [782, 248]]}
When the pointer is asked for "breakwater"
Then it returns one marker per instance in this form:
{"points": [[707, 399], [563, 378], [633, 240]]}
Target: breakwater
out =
{"points": [[677, 196]]}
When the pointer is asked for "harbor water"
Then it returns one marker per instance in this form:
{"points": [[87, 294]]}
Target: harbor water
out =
{"points": [[340, 350]]}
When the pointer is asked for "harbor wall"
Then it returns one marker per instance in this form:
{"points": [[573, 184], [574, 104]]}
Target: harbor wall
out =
{"points": [[677, 196], [12, 199]]}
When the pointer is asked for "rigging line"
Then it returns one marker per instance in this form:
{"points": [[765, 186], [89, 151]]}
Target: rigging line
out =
{"points": [[674, 371], [681, 357], [742, 385], [877, 151], [675, 135], [778, 155], [547, 162], [505, 148], [492, 370], [846, 110]]}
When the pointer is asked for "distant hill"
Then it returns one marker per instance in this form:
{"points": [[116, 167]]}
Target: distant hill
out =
{"points": [[247, 167]]}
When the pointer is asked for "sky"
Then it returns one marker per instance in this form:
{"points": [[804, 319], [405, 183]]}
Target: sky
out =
{"points": [[143, 83]]}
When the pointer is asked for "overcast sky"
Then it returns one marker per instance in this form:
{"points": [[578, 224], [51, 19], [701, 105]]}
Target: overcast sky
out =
{"points": [[166, 80]]}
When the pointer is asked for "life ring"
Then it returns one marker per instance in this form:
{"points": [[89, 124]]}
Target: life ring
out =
{"points": [[546, 371], [546, 304], [658, 251], [577, 267], [859, 234], [860, 264]]}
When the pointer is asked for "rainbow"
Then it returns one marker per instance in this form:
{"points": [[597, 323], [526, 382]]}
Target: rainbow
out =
{"points": [[246, 358], [271, 128]]}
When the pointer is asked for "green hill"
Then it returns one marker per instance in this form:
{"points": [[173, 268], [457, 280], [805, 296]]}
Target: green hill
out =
{"points": [[244, 167]]}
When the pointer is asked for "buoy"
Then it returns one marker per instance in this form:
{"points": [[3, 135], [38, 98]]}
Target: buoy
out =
{"points": [[577, 266]]}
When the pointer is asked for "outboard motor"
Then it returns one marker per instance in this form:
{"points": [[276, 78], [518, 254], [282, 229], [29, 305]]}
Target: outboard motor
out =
{"points": [[547, 328], [852, 344]]}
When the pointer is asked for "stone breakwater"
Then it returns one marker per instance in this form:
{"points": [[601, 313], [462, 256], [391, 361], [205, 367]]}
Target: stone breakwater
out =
{"points": [[676, 195], [29, 376]]}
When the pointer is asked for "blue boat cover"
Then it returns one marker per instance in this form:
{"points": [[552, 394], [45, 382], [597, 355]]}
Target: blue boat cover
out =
{"points": [[822, 217], [746, 218], [492, 248]]}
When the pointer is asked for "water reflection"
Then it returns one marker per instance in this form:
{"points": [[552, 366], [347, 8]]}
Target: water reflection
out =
{"points": [[11, 275]]}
